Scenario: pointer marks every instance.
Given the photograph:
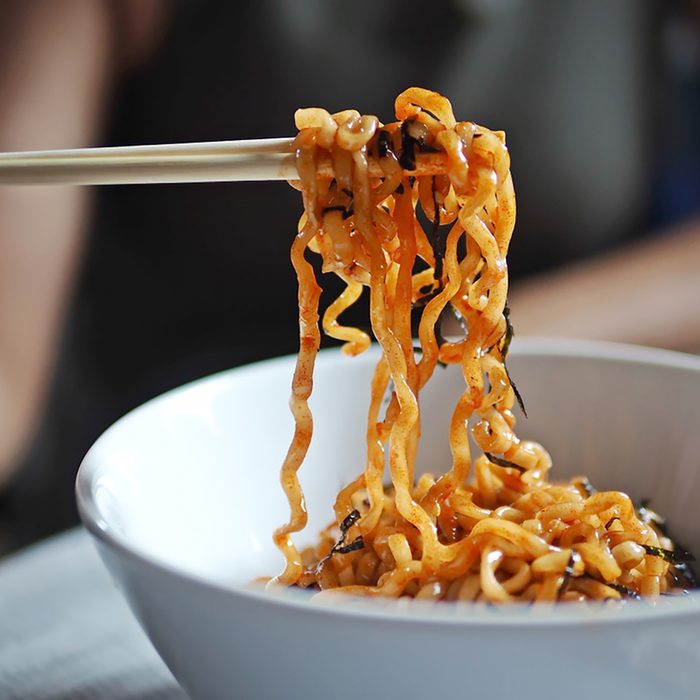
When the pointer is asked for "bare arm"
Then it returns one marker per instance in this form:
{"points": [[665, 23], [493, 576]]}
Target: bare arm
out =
{"points": [[647, 294], [54, 64], [58, 60]]}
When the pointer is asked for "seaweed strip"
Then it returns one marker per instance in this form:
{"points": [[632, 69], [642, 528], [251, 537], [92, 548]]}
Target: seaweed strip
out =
{"points": [[688, 573], [340, 547], [507, 339], [504, 462], [508, 336], [427, 111], [648, 516], [356, 544], [568, 573], [439, 241], [679, 579], [587, 487], [680, 570], [383, 147], [685, 571], [347, 213], [349, 521], [622, 590], [427, 296], [674, 557], [518, 397], [407, 159]]}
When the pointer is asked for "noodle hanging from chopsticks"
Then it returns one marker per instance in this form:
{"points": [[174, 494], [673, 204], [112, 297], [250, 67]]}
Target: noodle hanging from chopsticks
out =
{"points": [[508, 534]]}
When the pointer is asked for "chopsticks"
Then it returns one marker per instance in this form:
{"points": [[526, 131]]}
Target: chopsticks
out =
{"points": [[213, 161], [216, 161]]}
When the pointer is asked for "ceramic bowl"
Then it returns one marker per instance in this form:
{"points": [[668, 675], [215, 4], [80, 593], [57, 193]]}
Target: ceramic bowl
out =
{"points": [[182, 495]]}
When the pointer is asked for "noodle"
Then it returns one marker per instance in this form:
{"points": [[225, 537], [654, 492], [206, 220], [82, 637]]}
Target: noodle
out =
{"points": [[508, 534]]}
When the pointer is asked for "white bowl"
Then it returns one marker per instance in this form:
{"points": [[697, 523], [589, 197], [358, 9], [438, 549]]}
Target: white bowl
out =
{"points": [[182, 496]]}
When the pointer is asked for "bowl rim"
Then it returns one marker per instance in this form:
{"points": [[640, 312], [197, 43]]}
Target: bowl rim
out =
{"points": [[402, 610]]}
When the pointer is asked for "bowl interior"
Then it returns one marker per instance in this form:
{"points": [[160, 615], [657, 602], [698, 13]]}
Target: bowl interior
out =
{"points": [[191, 478]]}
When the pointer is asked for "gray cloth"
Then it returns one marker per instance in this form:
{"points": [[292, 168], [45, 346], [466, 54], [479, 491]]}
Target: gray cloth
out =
{"points": [[65, 632]]}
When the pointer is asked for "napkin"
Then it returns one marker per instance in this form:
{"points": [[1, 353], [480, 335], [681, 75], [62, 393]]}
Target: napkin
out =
{"points": [[65, 632]]}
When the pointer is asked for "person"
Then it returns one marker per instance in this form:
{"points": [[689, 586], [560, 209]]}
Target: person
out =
{"points": [[109, 296]]}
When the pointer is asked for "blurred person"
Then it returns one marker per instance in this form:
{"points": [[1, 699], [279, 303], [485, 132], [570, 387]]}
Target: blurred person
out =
{"points": [[110, 296]]}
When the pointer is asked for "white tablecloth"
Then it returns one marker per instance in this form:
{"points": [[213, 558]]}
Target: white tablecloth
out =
{"points": [[65, 632]]}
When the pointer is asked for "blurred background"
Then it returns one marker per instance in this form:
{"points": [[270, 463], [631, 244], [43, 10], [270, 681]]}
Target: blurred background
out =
{"points": [[110, 296]]}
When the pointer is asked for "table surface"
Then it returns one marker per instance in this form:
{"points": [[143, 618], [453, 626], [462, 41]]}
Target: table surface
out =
{"points": [[65, 631]]}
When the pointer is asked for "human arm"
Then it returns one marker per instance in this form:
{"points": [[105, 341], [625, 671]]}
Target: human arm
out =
{"points": [[646, 293], [58, 62], [54, 64]]}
